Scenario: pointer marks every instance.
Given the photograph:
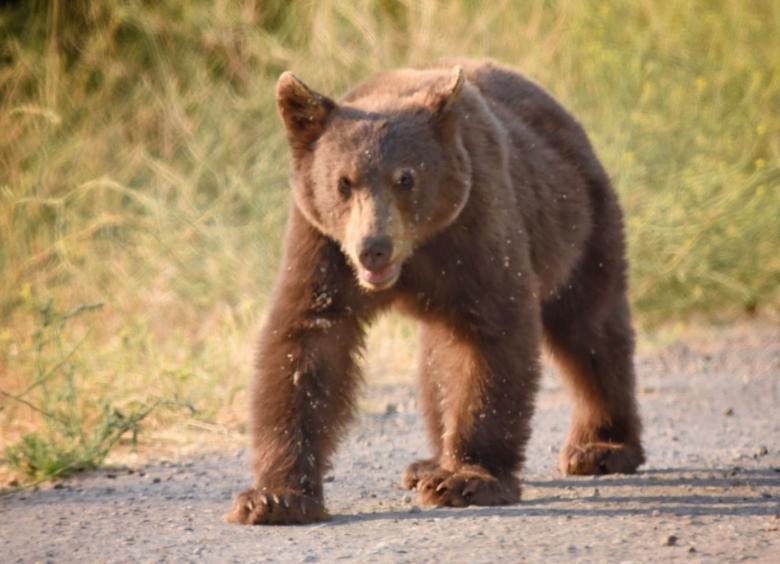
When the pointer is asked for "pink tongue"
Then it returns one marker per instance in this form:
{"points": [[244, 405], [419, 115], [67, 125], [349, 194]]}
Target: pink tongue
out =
{"points": [[378, 275]]}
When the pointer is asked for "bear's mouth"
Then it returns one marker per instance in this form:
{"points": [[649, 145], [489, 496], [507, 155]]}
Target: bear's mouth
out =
{"points": [[379, 279]]}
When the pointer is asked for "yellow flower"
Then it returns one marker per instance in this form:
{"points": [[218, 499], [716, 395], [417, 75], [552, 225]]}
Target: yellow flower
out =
{"points": [[25, 293], [760, 163], [760, 129], [648, 89]]}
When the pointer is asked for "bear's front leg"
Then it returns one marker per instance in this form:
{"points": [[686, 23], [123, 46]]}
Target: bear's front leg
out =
{"points": [[301, 400], [486, 385], [303, 390]]}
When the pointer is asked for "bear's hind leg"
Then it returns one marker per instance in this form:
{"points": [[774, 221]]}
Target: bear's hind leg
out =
{"points": [[430, 403], [596, 359]]}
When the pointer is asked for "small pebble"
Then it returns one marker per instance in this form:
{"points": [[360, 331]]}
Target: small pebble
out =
{"points": [[669, 540], [728, 412]]}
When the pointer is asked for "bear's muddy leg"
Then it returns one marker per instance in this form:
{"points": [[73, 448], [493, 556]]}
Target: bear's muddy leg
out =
{"points": [[596, 359], [486, 389]]}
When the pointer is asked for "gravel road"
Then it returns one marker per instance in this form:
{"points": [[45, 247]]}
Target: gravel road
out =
{"points": [[710, 490]]}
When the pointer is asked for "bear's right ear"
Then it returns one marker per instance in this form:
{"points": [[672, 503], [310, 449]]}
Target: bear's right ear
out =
{"points": [[303, 110], [443, 96]]}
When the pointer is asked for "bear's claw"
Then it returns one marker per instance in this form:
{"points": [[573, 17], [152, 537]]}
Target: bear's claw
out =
{"points": [[418, 470], [466, 486], [600, 458], [282, 507]]}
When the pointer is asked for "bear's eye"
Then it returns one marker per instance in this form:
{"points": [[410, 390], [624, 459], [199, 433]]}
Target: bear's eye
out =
{"points": [[345, 186], [405, 180]]}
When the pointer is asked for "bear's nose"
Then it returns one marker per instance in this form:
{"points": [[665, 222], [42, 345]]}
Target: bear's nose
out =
{"points": [[375, 252]]}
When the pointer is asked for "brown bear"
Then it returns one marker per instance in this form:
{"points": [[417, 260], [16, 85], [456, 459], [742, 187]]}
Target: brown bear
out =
{"points": [[470, 199]]}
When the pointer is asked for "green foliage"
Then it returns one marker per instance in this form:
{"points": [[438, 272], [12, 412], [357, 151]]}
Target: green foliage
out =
{"points": [[142, 163], [76, 433], [67, 446]]}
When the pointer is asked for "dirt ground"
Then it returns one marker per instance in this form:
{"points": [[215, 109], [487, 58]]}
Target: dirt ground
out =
{"points": [[709, 492]]}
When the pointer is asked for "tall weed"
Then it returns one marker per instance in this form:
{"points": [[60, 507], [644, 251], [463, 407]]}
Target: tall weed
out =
{"points": [[76, 433]]}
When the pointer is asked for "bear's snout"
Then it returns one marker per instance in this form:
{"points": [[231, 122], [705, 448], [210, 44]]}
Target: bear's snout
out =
{"points": [[376, 252]]}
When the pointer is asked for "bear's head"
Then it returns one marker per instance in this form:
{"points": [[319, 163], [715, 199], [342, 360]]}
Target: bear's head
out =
{"points": [[379, 173]]}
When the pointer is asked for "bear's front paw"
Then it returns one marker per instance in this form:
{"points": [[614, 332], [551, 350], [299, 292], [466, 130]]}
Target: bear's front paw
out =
{"points": [[600, 458], [276, 507], [466, 486], [418, 470]]}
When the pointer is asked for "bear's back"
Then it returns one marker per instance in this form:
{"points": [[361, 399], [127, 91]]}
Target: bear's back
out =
{"points": [[535, 109], [393, 90], [504, 91]]}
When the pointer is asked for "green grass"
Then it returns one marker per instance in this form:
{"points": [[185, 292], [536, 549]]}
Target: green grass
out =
{"points": [[142, 166], [76, 432]]}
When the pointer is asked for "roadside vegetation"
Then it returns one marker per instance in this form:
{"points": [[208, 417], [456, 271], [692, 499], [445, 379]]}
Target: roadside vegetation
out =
{"points": [[143, 184]]}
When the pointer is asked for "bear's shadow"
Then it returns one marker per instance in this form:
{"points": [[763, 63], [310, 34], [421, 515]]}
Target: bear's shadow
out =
{"points": [[711, 497]]}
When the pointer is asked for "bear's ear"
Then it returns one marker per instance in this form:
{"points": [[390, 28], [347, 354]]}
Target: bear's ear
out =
{"points": [[442, 96], [303, 110]]}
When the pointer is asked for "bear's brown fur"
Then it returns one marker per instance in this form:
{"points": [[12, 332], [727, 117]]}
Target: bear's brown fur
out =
{"points": [[469, 199]]}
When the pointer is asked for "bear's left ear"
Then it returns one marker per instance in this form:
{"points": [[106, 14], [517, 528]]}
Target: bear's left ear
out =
{"points": [[304, 111], [442, 97]]}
